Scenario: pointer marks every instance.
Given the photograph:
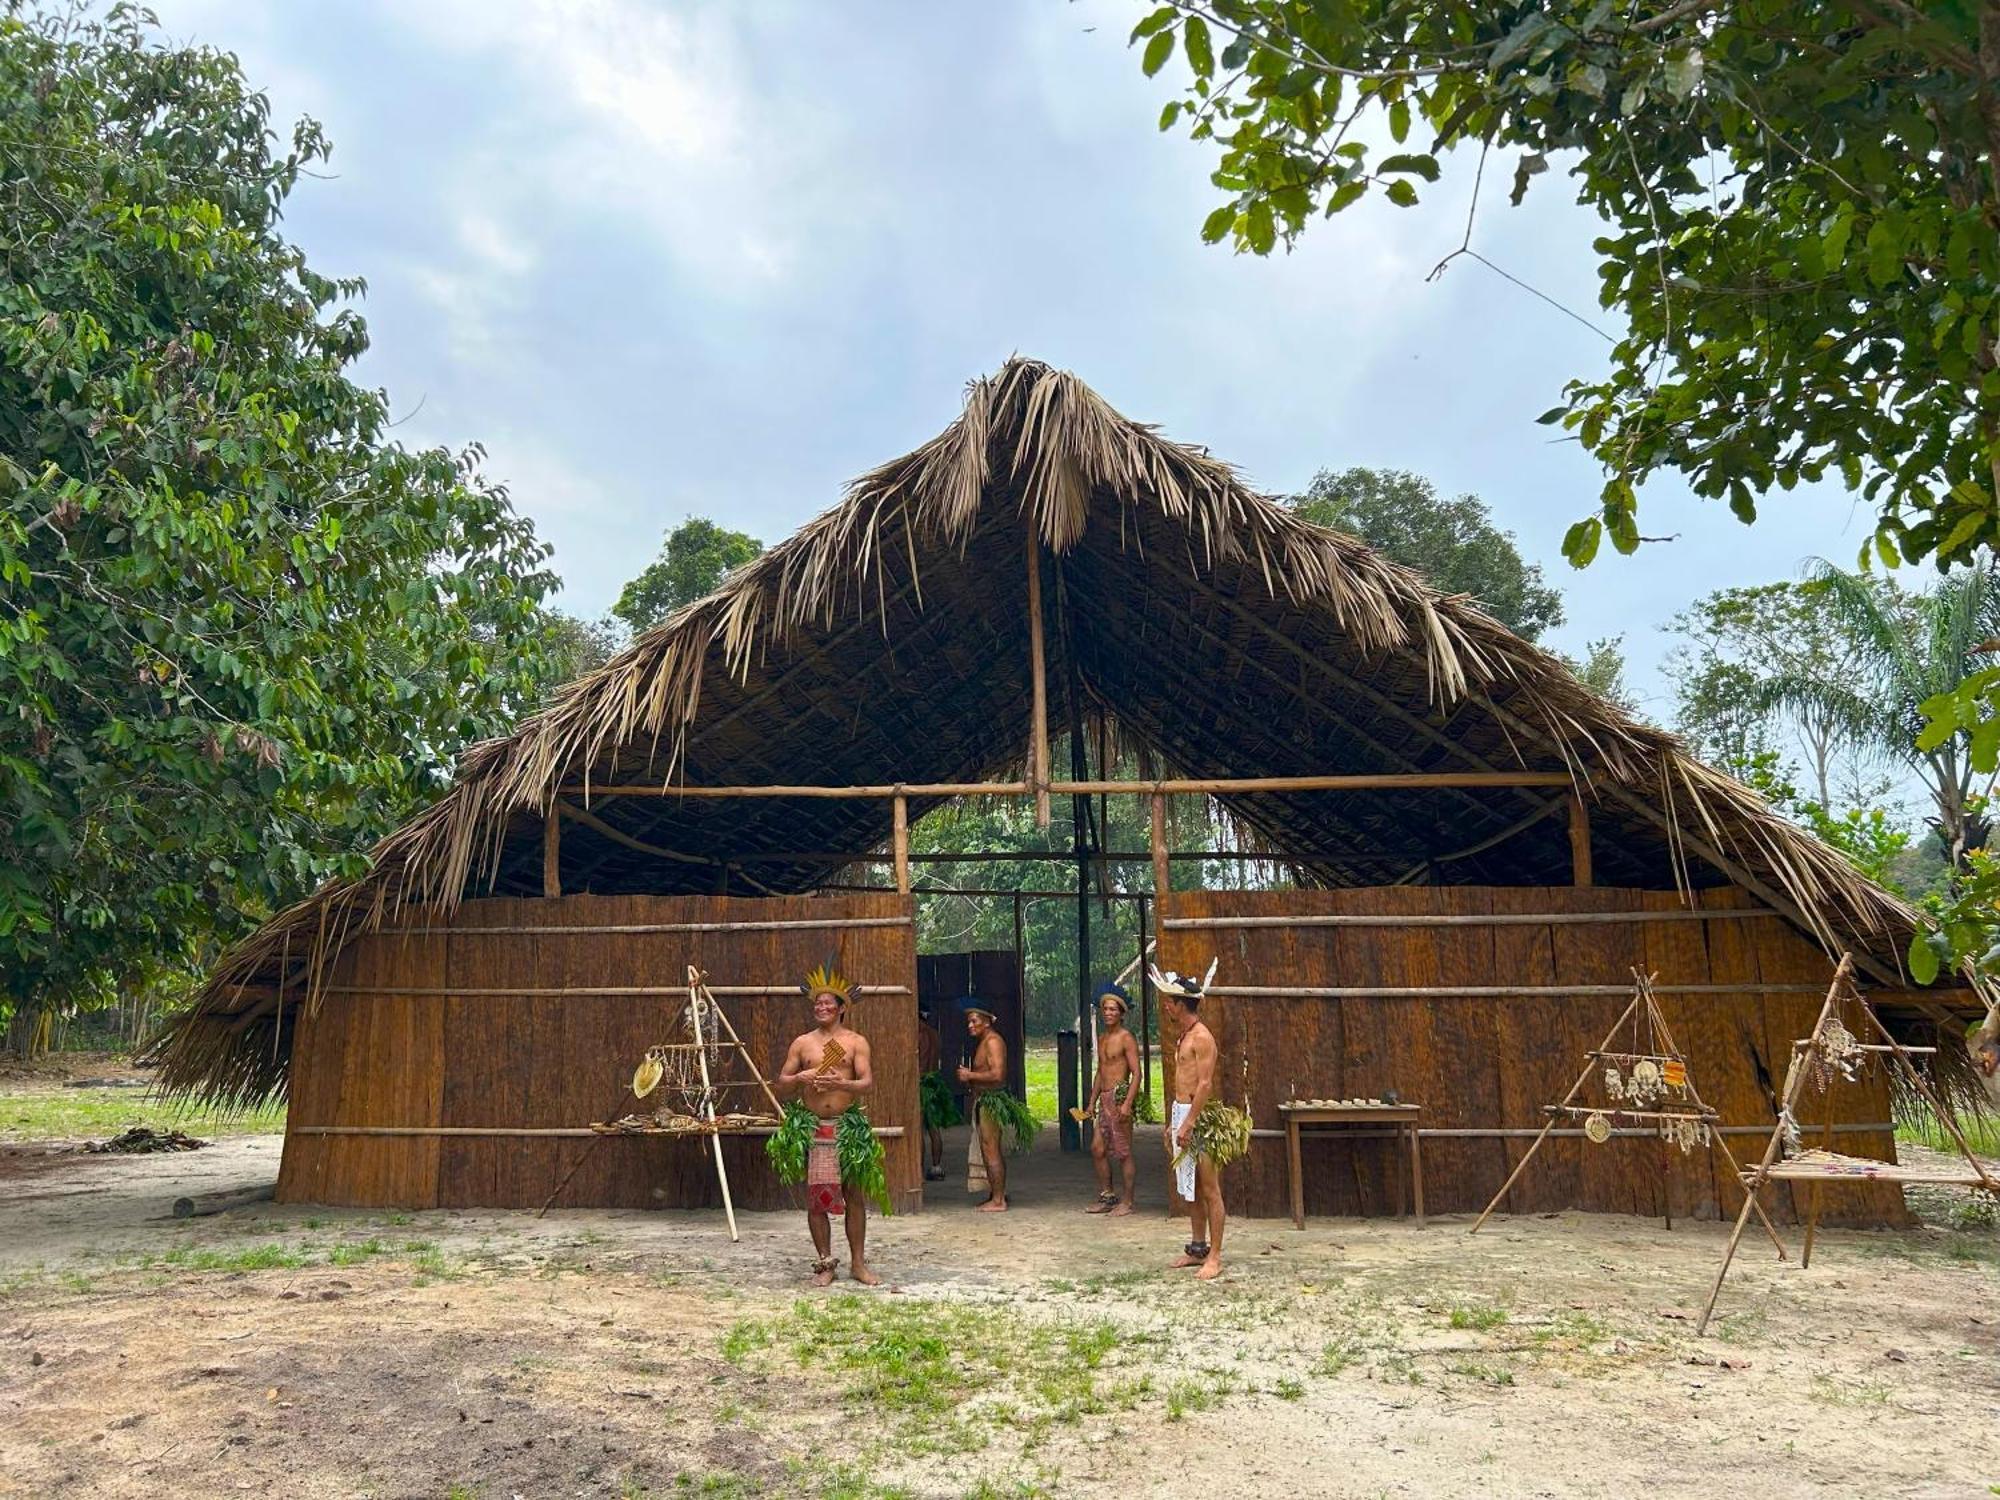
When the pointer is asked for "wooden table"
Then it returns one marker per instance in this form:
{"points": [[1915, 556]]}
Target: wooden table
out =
{"points": [[1401, 1120]]}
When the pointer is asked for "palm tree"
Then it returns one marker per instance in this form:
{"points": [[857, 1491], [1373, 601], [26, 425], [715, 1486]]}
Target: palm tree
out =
{"points": [[1908, 647]]}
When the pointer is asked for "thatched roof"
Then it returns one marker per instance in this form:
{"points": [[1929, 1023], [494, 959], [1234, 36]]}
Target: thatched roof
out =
{"points": [[887, 642]]}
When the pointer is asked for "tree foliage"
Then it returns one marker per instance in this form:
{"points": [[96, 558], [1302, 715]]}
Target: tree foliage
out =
{"points": [[1802, 228], [696, 556], [241, 633], [1452, 542], [1907, 649], [1738, 641]]}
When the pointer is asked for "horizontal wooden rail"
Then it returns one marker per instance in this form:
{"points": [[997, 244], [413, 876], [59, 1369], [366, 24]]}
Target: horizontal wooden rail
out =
{"points": [[1494, 991], [1485, 919], [889, 1132], [866, 991], [1063, 856], [789, 925], [1183, 786], [1473, 1133]]}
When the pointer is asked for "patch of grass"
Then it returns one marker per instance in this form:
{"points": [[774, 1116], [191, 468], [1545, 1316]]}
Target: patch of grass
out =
{"points": [[1982, 1133], [268, 1257], [98, 1114], [1184, 1396], [1476, 1316], [1977, 1212], [1824, 1388], [918, 1365], [354, 1253], [1336, 1357], [1289, 1390], [1485, 1374]]}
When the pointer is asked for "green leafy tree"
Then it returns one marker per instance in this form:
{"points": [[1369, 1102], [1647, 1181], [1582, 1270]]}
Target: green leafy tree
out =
{"points": [[1802, 223], [572, 646], [241, 633], [1873, 841], [1907, 649], [696, 556], [1602, 670], [1738, 641], [1452, 542]]}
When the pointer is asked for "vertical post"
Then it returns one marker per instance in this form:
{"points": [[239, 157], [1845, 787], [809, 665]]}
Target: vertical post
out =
{"points": [[902, 843], [1579, 841], [1079, 769], [552, 852], [1145, 1010], [1038, 733], [1161, 883], [1069, 1086]]}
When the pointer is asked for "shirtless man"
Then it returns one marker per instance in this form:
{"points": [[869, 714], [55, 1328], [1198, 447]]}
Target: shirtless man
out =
{"points": [[827, 1089], [1195, 1177], [1112, 1097], [987, 1162]]}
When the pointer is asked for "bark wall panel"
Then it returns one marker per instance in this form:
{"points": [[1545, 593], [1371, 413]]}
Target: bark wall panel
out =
{"points": [[1482, 1062]]}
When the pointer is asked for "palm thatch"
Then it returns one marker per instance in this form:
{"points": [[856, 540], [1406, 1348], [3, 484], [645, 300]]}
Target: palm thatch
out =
{"points": [[887, 642]]}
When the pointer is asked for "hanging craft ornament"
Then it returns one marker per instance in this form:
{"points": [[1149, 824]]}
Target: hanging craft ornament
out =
{"points": [[1674, 1073], [652, 1068], [1614, 1085], [1645, 1085], [1687, 1134], [1597, 1128]]}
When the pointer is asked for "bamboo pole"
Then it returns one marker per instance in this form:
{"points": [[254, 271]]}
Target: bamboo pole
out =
{"points": [[1492, 919], [695, 1008], [1574, 1089], [1038, 730], [1162, 881], [1754, 1183], [1388, 781], [1579, 841], [576, 1132], [637, 991], [1487, 991], [552, 852], [596, 929], [902, 845]]}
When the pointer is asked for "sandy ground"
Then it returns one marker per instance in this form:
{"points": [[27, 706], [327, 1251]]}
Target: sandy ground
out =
{"points": [[1036, 1353]]}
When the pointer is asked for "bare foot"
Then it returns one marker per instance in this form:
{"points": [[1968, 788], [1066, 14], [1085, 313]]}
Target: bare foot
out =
{"points": [[1099, 1207], [1121, 1210], [823, 1278], [863, 1275], [1183, 1261], [994, 1206], [1210, 1269]]}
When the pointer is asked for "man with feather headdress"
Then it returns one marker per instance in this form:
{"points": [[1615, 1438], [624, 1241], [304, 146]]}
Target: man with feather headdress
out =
{"points": [[1197, 1177], [830, 1070]]}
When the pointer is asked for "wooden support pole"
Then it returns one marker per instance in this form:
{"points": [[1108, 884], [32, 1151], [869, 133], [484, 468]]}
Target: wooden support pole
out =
{"points": [[1579, 841], [1162, 880], [1369, 781], [552, 851], [1038, 731], [696, 1006], [902, 845], [1754, 1184]]}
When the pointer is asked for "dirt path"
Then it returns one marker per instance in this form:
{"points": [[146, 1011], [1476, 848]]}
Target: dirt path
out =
{"points": [[334, 1353]]}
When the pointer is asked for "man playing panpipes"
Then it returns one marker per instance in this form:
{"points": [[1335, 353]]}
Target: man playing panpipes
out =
{"points": [[1112, 1098], [986, 1162], [830, 1068]]}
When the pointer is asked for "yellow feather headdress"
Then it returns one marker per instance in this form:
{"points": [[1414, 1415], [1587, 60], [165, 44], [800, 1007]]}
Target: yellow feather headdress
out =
{"points": [[825, 978]]}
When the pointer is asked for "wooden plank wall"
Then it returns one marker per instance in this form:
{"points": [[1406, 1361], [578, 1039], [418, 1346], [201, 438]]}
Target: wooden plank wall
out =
{"points": [[547, 1062], [1476, 1062]]}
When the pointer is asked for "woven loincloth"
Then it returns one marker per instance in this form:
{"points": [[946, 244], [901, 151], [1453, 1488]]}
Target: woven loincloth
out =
{"points": [[824, 1193]]}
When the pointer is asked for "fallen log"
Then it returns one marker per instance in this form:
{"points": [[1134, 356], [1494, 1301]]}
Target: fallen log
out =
{"points": [[199, 1205]]}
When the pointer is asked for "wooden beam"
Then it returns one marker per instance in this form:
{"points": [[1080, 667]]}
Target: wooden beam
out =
{"points": [[597, 825], [866, 991], [1161, 881], [902, 845], [1204, 785], [1038, 731], [788, 924], [884, 1132], [1488, 991], [1486, 919], [1579, 841], [552, 851]]}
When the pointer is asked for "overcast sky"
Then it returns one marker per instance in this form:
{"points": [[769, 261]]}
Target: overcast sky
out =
{"points": [[670, 259]]}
